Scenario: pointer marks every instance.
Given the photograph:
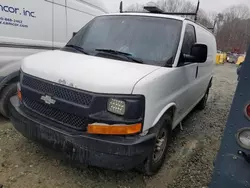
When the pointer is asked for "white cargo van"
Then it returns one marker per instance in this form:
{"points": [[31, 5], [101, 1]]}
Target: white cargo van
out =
{"points": [[31, 26], [112, 96]]}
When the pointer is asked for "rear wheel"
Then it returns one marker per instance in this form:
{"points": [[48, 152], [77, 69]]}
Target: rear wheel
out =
{"points": [[202, 104], [9, 91], [163, 137]]}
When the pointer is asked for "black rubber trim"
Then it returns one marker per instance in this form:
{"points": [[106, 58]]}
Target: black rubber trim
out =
{"points": [[210, 83], [4, 81], [114, 152]]}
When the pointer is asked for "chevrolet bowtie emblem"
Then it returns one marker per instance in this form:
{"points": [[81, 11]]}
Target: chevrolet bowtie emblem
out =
{"points": [[48, 100]]}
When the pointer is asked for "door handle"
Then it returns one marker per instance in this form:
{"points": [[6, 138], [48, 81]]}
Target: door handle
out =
{"points": [[197, 71]]}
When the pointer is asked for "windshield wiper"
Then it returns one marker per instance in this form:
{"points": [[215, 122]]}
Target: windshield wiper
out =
{"points": [[78, 48], [124, 54], [113, 51]]}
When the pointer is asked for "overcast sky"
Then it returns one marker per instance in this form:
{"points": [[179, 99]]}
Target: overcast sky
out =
{"points": [[208, 5]]}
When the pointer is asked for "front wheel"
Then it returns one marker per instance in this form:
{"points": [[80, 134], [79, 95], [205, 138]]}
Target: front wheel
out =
{"points": [[157, 157], [9, 91]]}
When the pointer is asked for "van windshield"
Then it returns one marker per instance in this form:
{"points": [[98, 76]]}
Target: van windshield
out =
{"points": [[152, 40]]}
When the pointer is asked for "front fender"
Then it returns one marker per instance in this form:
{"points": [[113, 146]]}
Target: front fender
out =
{"points": [[163, 111]]}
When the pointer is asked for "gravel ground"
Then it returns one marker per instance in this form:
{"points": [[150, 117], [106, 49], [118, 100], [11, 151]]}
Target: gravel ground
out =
{"points": [[188, 164]]}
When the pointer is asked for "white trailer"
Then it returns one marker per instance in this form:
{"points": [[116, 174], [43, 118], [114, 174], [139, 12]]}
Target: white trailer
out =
{"points": [[28, 27]]}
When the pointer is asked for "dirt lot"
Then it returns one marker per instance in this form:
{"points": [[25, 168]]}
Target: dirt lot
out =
{"points": [[188, 164]]}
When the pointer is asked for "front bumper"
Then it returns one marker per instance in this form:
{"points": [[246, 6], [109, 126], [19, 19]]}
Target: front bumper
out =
{"points": [[113, 152]]}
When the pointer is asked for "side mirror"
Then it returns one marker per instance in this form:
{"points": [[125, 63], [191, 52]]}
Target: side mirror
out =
{"points": [[199, 53]]}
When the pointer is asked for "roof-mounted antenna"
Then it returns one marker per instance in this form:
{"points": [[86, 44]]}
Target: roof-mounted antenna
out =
{"points": [[197, 9], [121, 7], [214, 25]]}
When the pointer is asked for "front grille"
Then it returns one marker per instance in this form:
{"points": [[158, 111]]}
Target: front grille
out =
{"points": [[62, 92], [70, 120]]}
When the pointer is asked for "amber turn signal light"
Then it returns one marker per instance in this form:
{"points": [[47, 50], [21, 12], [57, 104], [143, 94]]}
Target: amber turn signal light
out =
{"points": [[114, 129], [19, 94]]}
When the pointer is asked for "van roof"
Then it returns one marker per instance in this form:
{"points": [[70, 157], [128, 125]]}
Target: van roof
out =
{"points": [[159, 16], [149, 15]]}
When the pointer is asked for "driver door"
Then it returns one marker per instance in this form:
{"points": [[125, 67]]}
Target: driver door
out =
{"points": [[189, 71]]}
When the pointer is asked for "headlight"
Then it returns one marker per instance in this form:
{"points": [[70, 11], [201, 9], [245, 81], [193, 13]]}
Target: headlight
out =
{"points": [[116, 106], [243, 138]]}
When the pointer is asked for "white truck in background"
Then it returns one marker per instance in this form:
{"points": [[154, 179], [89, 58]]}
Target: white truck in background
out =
{"points": [[28, 27]]}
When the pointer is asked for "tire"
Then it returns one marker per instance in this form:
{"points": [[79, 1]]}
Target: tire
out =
{"points": [[9, 91], [154, 162], [203, 103]]}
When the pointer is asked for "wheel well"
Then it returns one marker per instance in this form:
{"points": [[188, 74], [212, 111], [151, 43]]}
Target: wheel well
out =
{"points": [[11, 81], [210, 83], [168, 110], [171, 112]]}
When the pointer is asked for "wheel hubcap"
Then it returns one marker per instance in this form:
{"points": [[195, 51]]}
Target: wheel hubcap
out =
{"points": [[160, 145]]}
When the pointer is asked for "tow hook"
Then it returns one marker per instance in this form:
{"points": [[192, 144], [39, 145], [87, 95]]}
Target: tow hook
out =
{"points": [[244, 155]]}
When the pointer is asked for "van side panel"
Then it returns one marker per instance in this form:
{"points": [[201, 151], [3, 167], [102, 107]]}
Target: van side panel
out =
{"points": [[78, 14], [205, 72], [59, 23], [28, 27], [26, 22], [25, 28]]}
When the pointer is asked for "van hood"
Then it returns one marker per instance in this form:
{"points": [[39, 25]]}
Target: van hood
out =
{"points": [[86, 72]]}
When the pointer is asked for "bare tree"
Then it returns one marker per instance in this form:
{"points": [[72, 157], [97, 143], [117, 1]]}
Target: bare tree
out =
{"points": [[135, 7], [232, 25], [177, 6], [234, 28]]}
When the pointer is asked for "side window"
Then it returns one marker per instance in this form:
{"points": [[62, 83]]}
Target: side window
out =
{"points": [[189, 39]]}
